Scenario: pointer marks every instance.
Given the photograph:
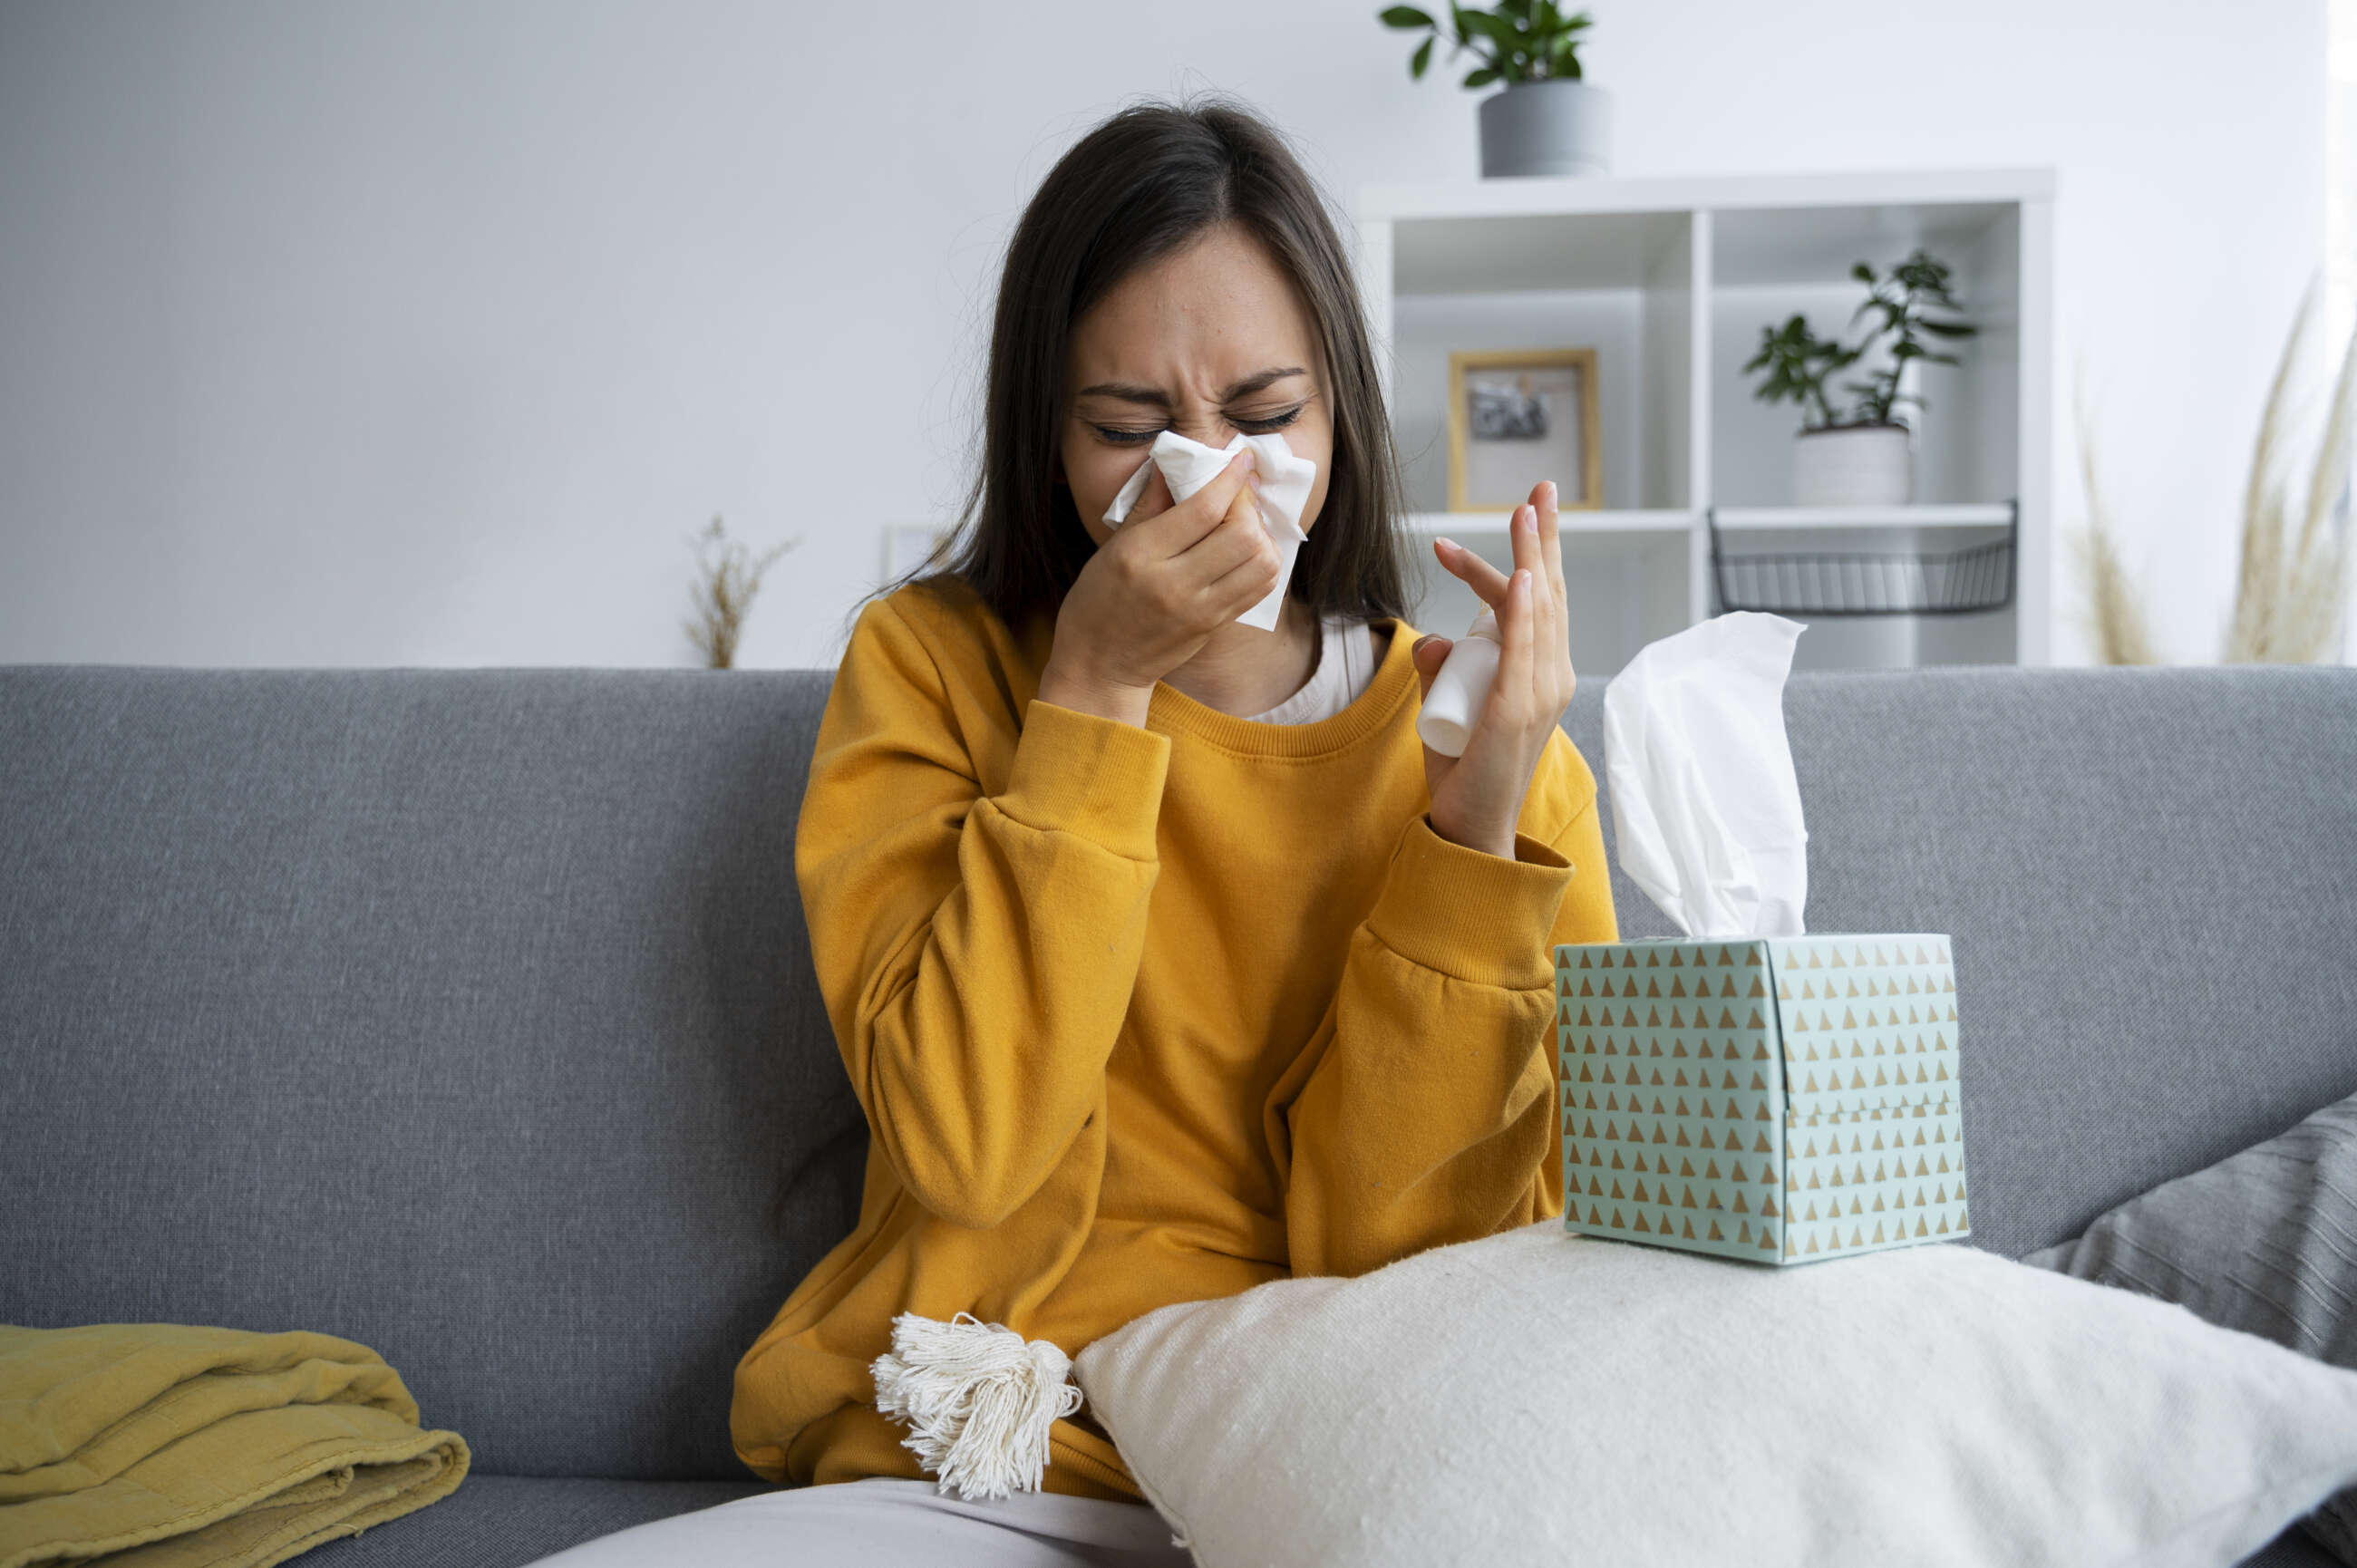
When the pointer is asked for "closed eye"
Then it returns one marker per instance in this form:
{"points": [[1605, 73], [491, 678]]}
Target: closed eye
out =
{"points": [[1255, 426]]}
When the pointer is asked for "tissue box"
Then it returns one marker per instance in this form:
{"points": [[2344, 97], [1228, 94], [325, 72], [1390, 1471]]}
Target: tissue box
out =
{"points": [[1779, 1099]]}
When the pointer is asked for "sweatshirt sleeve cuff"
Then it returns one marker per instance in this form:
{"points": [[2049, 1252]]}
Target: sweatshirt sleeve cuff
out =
{"points": [[1085, 774], [1474, 916]]}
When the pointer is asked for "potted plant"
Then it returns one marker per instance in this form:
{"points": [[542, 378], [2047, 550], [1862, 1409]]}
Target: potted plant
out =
{"points": [[724, 595], [1547, 121], [1863, 455]]}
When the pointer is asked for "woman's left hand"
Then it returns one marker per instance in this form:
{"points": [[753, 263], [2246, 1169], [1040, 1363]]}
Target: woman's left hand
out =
{"points": [[1477, 799]]}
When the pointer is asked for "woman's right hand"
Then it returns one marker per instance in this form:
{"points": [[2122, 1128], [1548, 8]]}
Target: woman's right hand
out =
{"points": [[1153, 594]]}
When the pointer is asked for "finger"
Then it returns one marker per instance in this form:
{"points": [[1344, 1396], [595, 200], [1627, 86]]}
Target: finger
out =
{"points": [[1544, 626], [1521, 529], [1472, 571], [1551, 536], [1191, 519], [1551, 543], [1510, 693], [1247, 584], [1154, 499], [1237, 558], [1238, 538], [1428, 654]]}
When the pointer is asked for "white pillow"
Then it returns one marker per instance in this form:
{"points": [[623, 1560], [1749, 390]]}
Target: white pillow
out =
{"points": [[1537, 1397]]}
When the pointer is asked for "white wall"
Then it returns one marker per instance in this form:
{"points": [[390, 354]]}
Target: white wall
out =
{"points": [[383, 333]]}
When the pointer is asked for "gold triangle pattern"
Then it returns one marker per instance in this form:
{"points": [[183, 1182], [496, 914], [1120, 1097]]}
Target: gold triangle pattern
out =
{"points": [[1849, 1139]]}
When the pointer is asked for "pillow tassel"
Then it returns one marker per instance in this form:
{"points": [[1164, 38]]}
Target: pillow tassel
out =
{"points": [[978, 1400]]}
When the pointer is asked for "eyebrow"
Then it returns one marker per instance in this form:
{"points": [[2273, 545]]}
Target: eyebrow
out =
{"points": [[1130, 392]]}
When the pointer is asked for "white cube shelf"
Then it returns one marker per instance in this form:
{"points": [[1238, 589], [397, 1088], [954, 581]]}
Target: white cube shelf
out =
{"points": [[1670, 282]]}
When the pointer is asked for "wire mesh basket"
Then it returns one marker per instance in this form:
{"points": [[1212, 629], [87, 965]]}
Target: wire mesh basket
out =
{"points": [[1869, 583]]}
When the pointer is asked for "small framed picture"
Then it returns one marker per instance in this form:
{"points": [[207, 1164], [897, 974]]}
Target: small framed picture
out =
{"points": [[1520, 415]]}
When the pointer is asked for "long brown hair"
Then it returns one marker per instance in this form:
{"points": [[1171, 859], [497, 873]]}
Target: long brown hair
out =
{"points": [[1146, 184]]}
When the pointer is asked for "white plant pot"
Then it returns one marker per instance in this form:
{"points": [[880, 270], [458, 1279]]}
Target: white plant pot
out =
{"points": [[1871, 465], [1554, 128]]}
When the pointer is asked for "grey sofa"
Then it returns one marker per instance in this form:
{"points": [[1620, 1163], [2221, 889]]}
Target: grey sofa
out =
{"points": [[468, 1013]]}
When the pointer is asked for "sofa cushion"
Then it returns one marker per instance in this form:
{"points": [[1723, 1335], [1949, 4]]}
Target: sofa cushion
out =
{"points": [[1535, 1395], [2265, 1241], [2295, 1548]]}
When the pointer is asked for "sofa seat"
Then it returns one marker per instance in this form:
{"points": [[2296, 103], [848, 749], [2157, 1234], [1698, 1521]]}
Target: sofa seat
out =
{"points": [[503, 1521], [506, 1521]]}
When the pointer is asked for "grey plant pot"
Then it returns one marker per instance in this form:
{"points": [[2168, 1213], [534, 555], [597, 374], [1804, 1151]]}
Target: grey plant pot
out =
{"points": [[1854, 465], [1554, 127]]}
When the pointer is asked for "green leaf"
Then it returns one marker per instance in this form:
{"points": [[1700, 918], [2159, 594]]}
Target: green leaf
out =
{"points": [[1501, 32], [1406, 17], [1482, 78], [1423, 56]]}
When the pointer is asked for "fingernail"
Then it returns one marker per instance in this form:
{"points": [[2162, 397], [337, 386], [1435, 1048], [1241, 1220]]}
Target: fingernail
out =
{"points": [[1253, 479]]}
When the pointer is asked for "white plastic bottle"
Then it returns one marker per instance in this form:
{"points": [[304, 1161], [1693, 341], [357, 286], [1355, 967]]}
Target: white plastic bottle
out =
{"points": [[1461, 687]]}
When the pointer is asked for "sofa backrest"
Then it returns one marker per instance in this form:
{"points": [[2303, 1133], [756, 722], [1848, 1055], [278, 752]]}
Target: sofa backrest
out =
{"points": [[468, 1013]]}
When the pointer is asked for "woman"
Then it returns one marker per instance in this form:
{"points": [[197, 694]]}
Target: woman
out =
{"points": [[1163, 958]]}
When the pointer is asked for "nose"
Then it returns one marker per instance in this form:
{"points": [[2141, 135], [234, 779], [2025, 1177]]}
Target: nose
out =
{"points": [[1209, 426]]}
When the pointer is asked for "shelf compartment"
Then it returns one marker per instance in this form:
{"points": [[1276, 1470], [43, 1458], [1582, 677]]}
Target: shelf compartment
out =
{"points": [[1771, 263], [1978, 578], [1620, 284], [1646, 519], [1534, 252], [1993, 515], [1777, 247]]}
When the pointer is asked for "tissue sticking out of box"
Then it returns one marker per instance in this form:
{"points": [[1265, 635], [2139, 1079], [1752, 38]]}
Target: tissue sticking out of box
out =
{"points": [[1705, 806]]}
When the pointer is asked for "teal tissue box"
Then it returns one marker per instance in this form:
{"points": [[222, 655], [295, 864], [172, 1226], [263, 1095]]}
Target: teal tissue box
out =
{"points": [[1779, 1098]]}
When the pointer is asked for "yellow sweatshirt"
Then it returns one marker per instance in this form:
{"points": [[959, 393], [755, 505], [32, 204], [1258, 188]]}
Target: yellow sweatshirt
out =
{"points": [[1143, 1016]]}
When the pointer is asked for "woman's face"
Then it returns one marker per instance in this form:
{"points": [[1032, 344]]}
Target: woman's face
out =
{"points": [[1210, 342]]}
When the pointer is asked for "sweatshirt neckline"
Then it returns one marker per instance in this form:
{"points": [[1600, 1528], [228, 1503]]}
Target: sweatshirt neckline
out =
{"points": [[1172, 711]]}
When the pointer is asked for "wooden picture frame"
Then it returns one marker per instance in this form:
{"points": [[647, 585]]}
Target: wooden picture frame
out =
{"points": [[1520, 433]]}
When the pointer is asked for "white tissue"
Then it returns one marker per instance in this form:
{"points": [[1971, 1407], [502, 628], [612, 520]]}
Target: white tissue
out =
{"points": [[1285, 484], [1705, 806]]}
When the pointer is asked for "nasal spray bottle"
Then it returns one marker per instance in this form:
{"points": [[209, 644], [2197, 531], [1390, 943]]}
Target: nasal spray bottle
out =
{"points": [[1461, 687]]}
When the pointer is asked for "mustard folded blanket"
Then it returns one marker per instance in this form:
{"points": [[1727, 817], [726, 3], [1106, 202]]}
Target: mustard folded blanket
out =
{"points": [[173, 1446]]}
